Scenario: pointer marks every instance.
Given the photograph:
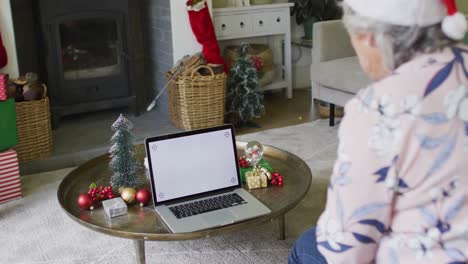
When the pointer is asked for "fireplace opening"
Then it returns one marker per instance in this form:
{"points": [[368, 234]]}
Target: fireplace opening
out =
{"points": [[90, 53], [90, 48]]}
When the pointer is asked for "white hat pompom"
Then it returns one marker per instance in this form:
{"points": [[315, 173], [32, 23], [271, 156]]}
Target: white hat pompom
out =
{"points": [[455, 26]]}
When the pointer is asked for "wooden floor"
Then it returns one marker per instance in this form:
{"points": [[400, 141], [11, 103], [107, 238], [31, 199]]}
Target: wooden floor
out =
{"points": [[282, 112]]}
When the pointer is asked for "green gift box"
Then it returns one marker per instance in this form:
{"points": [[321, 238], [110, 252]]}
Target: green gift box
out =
{"points": [[8, 132], [263, 163]]}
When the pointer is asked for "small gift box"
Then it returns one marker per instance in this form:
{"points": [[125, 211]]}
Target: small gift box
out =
{"points": [[10, 183], [3, 86], [262, 163], [256, 179], [114, 207]]}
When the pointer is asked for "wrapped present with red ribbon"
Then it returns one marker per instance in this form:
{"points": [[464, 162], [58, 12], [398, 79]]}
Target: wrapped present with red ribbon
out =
{"points": [[3, 86], [10, 183]]}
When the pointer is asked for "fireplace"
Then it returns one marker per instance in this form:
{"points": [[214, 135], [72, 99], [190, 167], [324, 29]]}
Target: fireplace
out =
{"points": [[92, 53]]}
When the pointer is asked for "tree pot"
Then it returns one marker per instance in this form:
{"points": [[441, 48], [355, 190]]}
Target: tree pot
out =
{"points": [[308, 28]]}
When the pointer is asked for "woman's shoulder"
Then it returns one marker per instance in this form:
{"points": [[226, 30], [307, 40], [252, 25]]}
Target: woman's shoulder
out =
{"points": [[427, 78]]}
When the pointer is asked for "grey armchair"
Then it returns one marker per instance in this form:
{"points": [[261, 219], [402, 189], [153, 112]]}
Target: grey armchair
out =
{"points": [[336, 75]]}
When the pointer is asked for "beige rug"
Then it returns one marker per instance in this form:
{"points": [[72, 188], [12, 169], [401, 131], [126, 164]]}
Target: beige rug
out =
{"points": [[36, 230]]}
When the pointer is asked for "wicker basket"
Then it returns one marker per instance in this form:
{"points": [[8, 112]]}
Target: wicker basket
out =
{"points": [[34, 129], [197, 101]]}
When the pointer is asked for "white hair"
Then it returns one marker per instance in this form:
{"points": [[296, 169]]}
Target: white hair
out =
{"points": [[398, 44]]}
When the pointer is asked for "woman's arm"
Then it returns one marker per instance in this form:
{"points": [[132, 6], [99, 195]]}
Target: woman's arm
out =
{"points": [[363, 184]]}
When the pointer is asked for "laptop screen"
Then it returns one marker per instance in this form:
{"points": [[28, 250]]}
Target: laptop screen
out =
{"points": [[192, 163]]}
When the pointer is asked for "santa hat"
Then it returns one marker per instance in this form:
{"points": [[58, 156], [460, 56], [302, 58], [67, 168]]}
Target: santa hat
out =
{"points": [[415, 13]]}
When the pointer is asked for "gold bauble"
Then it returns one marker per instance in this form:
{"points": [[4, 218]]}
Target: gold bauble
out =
{"points": [[128, 195]]}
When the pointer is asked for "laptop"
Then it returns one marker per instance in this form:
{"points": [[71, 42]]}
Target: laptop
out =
{"points": [[195, 180]]}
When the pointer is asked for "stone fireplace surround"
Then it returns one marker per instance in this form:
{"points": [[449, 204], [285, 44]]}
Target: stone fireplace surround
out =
{"points": [[149, 53]]}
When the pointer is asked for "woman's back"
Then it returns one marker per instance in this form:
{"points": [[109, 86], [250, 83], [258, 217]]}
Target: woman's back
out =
{"points": [[400, 185]]}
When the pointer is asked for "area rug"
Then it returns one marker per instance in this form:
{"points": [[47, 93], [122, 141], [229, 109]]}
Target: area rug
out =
{"points": [[36, 230]]}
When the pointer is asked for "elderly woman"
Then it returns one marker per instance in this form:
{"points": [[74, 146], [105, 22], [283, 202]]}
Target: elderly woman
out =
{"points": [[399, 189]]}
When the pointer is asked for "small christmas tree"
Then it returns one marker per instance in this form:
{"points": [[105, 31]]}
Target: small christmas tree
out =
{"points": [[123, 164], [244, 100]]}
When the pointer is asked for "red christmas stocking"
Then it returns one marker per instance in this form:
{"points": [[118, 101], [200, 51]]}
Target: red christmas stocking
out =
{"points": [[203, 29], [3, 54]]}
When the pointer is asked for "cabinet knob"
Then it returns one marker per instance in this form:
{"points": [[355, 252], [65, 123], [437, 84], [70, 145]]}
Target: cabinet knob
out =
{"points": [[242, 25], [223, 26], [260, 22], [278, 19]]}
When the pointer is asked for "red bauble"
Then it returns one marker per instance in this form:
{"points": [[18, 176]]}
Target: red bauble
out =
{"points": [[85, 201], [143, 196], [277, 179]]}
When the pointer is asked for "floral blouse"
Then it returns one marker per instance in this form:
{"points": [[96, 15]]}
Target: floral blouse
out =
{"points": [[399, 189]]}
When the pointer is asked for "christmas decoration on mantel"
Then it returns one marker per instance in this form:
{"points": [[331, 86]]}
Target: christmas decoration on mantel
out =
{"points": [[244, 100], [123, 164]]}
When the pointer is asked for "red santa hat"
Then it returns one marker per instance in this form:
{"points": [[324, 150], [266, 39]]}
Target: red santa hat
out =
{"points": [[415, 13]]}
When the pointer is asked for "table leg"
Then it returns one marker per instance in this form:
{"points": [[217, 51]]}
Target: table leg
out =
{"points": [[139, 251], [282, 233]]}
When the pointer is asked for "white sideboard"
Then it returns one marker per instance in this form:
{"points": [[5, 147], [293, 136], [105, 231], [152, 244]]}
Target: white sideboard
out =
{"points": [[235, 23], [259, 21]]}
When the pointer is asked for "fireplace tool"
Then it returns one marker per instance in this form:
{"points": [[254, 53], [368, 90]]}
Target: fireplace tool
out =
{"points": [[177, 70]]}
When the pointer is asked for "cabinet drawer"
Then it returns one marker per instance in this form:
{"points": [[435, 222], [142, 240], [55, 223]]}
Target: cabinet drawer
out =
{"points": [[223, 26], [262, 22], [232, 25], [279, 22]]}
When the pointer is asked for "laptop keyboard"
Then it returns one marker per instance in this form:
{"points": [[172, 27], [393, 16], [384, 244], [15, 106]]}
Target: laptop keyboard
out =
{"points": [[207, 205]]}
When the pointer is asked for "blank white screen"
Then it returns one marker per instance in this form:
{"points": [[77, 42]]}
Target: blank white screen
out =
{"points": [[193, 164]]}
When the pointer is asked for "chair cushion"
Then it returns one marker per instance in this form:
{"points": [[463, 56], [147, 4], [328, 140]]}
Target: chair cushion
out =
{"points": [[343, 74]]}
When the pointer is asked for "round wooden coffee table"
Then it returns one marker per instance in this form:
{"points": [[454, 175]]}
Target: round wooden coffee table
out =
{"points": [[142, 224]]}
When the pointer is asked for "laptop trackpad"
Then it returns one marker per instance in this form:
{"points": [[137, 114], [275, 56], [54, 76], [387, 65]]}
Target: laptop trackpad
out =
{"points": [[223, 217]]}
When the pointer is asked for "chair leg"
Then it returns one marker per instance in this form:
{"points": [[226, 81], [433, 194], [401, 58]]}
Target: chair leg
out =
{"points": [[332, 115]]}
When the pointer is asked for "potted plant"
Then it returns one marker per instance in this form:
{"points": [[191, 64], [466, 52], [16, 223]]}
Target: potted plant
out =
{"points": [[311, 11]]}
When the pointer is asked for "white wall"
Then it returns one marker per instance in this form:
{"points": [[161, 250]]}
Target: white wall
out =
{"points": [[8, 37]]}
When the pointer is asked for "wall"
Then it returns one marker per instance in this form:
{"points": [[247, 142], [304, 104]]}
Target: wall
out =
{"points": [[26, 20], [160, 44], [301, 56], [6, 29]]}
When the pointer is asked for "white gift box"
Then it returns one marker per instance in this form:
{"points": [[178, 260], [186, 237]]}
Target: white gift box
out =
{"points": [[114, 207]]}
